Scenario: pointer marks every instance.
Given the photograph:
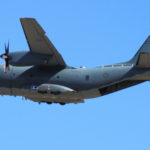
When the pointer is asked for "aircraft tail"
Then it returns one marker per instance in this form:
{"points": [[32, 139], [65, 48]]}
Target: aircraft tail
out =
{"points": [[142, 57]]}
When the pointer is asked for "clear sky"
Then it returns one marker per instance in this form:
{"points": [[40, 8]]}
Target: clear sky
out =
{"points": [[87, 33]]}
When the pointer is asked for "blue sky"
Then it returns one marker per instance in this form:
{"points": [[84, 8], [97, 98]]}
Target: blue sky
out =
{"points": [[87, 33]]}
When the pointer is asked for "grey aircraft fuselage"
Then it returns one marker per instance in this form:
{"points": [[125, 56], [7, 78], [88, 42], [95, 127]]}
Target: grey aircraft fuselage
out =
{"points": [[42, 75], [86, 83]]}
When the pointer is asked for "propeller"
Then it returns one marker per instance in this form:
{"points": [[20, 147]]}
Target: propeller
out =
{"points": [[5, 56]]}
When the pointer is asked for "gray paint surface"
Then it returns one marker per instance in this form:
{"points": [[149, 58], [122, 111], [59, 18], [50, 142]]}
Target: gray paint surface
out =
{"points": [[41, 74]]}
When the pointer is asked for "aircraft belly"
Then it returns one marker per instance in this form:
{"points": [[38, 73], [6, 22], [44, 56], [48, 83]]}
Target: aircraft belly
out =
{"points": [[47, 97], [68, 97], [89, 93], [72, 97], [5, 91], [55, 100]]}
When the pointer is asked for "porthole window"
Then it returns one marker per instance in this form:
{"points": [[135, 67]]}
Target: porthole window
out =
{"points": [[87, 77]]}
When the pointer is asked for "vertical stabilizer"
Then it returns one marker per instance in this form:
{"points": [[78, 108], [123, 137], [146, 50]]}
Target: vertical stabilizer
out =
{"points": [[142, 57]]}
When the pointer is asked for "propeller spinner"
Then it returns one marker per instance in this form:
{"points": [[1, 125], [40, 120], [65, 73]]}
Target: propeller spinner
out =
{"points": [[6, 57]]}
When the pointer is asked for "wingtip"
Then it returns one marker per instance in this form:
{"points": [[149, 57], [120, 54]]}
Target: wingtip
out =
{"points": [[22, 18]]}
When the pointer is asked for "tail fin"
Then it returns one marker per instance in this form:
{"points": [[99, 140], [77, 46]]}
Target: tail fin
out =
{"points": [[142, 57]]}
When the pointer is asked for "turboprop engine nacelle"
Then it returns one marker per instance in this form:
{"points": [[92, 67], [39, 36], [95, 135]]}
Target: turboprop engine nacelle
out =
{"points": [[23, 58]]}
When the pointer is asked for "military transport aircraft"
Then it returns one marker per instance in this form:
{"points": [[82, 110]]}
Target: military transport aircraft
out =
{"points": [[42, 75]]}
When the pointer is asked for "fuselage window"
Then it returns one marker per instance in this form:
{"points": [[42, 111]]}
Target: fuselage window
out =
{"points": [[58, 77], [87, 77]]}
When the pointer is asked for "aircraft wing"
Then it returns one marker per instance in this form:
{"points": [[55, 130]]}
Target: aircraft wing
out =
{"points": [[39, 43]]}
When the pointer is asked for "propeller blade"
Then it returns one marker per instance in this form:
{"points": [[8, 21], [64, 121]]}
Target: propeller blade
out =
{"points": [[7, 48], [6, 57], [5, 67], [7, 64]]}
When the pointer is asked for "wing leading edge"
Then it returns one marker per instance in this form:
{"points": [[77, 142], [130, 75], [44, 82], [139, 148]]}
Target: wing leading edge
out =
{"points": [[39, 43]]}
